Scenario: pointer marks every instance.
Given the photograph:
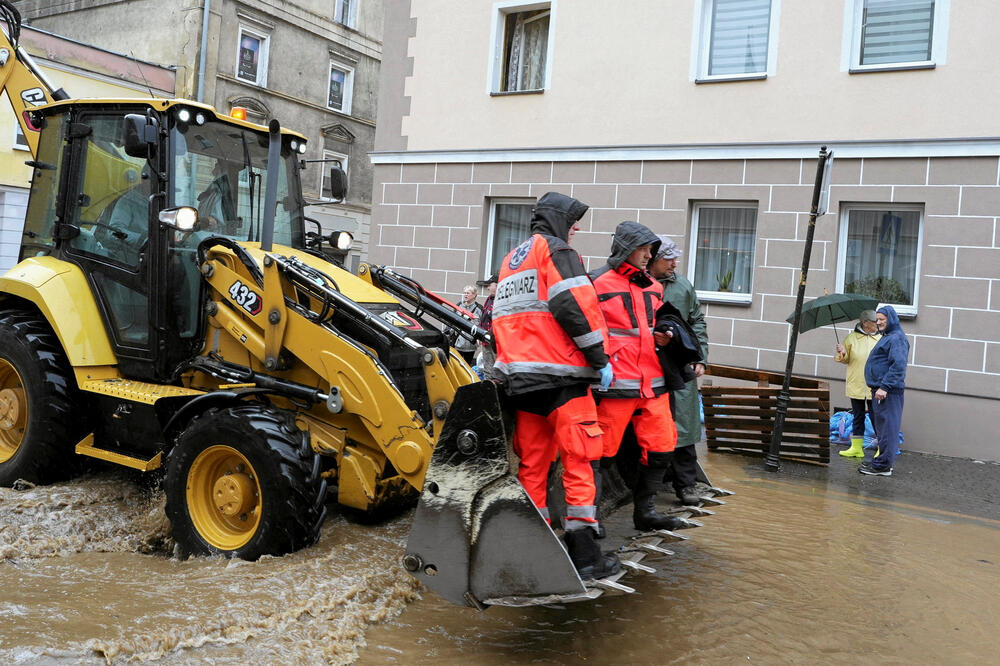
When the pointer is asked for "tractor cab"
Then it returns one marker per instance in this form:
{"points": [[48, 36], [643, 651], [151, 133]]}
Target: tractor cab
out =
{"points": [[104, 176]]}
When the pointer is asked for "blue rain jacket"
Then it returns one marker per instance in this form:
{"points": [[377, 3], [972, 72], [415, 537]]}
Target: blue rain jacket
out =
{"points": [[886, 366]]}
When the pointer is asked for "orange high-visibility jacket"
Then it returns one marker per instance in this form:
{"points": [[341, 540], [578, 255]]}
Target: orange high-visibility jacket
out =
{"points": [[629, 311], [546, 321]]}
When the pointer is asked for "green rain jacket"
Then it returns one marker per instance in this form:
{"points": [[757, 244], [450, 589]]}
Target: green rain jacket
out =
{"points": [[679, 292]]}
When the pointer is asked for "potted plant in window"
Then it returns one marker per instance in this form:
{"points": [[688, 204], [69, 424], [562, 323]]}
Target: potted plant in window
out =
{"points": [[724, 280]]}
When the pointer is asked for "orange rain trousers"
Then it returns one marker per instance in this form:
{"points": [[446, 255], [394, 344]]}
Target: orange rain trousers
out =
{"points": [[571, 430], [651, 418]]}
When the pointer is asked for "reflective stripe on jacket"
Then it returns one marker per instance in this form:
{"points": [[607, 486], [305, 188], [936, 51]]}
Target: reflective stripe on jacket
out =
{"points": [[629, 311], [547, 324]]}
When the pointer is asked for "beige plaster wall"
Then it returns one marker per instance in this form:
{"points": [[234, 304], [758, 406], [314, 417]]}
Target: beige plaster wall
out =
{"points": [[624, 80]]}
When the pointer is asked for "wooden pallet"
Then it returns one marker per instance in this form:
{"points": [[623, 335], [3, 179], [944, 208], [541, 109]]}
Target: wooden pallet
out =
{"points": [[741, 417]]}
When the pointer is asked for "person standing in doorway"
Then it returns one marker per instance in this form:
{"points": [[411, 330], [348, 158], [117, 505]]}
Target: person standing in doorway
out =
{"points": [[551, 344], [885, 374], [679, 292], [854, 353]]}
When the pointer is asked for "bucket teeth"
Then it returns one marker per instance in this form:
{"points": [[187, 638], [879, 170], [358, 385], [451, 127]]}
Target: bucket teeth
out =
{"points": [[653, 548], [720, 491], [688, 524], [612, 584], [712, 501], [635, 566], [670, 535], [698, 511]]}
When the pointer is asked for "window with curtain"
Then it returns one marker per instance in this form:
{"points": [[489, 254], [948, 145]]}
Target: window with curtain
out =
{"points": [[895, 31], [511, 224], [737, 35], [880, 253], [525, 46], [723, 255], [345, 12]]}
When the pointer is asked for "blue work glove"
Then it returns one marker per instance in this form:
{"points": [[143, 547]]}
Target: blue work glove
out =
{"points": [[607, 376]]}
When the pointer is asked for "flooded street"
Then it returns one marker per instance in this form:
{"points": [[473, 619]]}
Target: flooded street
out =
{"points": [[790, 570]]}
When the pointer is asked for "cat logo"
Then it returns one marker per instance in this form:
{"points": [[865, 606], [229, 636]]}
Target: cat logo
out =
{"points": [[33, 96], [402, 320]]}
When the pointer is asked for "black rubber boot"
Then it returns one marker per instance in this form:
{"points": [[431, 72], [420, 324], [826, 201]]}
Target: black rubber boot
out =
{"points": [[599, 531], [645, 517], [587, 557]]}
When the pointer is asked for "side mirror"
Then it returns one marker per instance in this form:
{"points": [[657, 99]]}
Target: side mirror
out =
{"points": [[140, 134], [338, 183]]}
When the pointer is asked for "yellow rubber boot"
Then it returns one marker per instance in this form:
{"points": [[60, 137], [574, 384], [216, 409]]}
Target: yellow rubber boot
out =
{"points": [[856, 450]]}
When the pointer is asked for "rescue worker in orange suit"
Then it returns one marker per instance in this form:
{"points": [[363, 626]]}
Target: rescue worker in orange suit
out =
{"points": [[550, 339], [638, 394]]}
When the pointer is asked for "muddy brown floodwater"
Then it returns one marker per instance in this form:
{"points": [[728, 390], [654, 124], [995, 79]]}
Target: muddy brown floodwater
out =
{"points": [[784, 573]]}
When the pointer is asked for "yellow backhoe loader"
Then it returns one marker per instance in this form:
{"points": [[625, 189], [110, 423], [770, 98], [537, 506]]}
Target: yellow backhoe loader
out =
{"points": [[171, 313]]}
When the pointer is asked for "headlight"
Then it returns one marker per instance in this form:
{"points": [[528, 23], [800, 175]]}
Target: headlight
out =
{"points": [[302, 149], [183, 115], [341, 240], [183, 219]]}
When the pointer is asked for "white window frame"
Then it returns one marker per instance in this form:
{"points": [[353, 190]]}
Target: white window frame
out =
{"points": [[845, 209], [501, 10], [851, 43], [263, 55], [352, 13], [325, 171], [709, 294], [491, 226], [20, 141], [701, 44], [348, 87]]}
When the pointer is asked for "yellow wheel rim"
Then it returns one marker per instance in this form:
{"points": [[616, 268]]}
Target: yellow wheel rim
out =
{"points": [[13, 411], [224, 497]]}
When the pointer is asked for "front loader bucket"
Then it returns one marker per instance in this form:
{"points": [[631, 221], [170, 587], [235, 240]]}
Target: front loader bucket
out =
{"points": [[476, 534]]}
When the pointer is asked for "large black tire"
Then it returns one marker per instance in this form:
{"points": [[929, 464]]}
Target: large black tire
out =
{"points": [[244, 482], [41, 414]]}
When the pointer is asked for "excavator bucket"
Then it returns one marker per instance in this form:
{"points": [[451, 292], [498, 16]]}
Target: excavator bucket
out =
{"points": [[476, 535]]}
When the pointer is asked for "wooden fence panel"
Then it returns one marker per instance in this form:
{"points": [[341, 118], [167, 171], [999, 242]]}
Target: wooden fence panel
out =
{"points": [[741, 418]]}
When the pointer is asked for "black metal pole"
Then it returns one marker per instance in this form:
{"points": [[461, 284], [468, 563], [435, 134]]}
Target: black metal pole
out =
{"points": [[772, 461]]}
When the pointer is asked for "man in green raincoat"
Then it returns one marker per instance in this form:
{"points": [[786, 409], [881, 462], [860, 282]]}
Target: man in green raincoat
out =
{"points": [[679, 292]]}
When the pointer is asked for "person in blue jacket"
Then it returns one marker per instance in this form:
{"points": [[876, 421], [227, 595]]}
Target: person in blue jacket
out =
{"points": [[885, 374]]}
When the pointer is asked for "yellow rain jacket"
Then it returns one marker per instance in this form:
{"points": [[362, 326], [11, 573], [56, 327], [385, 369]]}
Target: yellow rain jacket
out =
{"points": [[858, 345]]}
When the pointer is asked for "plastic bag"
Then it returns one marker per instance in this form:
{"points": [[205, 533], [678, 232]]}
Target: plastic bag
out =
{"points": [[871, 441], [840, 427]]}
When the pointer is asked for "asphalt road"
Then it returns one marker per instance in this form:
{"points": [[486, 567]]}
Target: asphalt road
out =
{"points": [[951, 485]]}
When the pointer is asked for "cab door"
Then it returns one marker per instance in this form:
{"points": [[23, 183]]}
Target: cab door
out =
{"points": [[109, 222]]}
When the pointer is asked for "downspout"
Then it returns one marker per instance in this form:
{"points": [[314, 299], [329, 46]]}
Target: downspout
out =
{"points": [[205, 15]]}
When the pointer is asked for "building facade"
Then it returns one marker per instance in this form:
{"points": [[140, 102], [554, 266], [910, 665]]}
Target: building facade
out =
{"points": [[703, 120], [83, 71], [311, 64]]}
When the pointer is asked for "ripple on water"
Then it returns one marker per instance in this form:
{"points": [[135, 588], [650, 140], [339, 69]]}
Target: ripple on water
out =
{"points": [[87, 577]]}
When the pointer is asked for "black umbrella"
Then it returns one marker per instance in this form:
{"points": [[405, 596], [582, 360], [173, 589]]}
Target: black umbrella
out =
{"points": [[831, 308]]}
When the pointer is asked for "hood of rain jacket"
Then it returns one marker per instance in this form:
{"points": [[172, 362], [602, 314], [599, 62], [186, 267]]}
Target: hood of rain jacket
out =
{"points": [[628, 236], [555, 214]]}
